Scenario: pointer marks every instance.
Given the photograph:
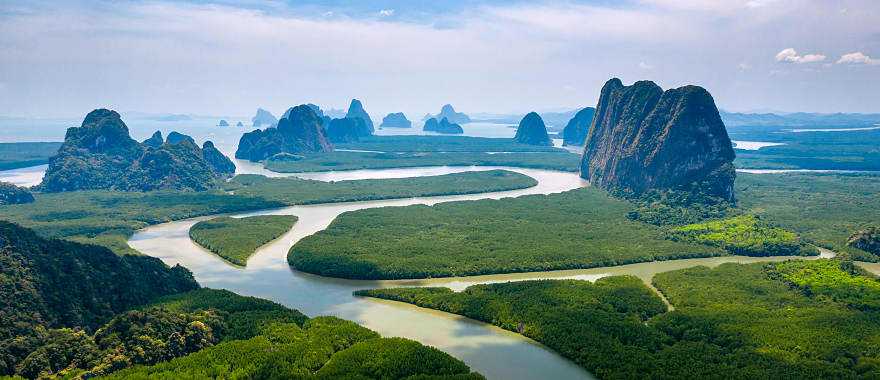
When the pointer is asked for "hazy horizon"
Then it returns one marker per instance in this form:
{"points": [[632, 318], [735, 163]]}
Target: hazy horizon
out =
{"points": [[225, 58]]}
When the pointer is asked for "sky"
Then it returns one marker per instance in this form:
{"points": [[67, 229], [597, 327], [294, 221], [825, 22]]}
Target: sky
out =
{"points": [[65, 58]]}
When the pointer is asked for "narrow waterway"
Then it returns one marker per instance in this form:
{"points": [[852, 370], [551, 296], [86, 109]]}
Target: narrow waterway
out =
{"points": [[494, 352]]}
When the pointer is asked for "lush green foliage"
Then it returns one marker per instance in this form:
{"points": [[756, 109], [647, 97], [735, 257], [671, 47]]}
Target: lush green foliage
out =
{"points": [[20, 155], [578, 229], [340, 160], [300, 191], [732, 322], [236, 239], [851, 150], [441, 144], [108, 218], [677, 207], [744, 235], [13, 195], [824, 209], [55, 284]]}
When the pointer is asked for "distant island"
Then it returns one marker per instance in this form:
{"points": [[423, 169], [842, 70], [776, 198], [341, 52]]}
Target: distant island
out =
{"points": [[101, 155], [532, 131], [262, 118], [443, 126], [223, 123], [395, 120], [448, 112], [301, 131]]}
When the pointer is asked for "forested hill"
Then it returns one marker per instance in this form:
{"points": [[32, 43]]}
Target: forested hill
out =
{"points": [[55, 283]]}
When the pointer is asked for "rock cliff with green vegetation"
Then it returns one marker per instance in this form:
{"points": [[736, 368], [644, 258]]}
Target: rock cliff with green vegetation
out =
{"points": [[356, 111], [532, 131], [236, 239], [300, 132], [345, 130], [794, 319], [13, 195], [262, 118], [449, 113], [101, 155], [577, 129], [155, 141], [443, 126], [643, 138], [867, 240], [395, 120]]}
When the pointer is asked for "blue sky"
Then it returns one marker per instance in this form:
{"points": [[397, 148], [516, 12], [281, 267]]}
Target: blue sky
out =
{"points": [[229, 57]]}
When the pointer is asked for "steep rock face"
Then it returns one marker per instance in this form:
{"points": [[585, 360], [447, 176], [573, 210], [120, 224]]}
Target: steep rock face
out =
{"points": [[345, 130], [575, 132], [448, 112], [13, 195], [155, 140], [443, 126], [532, 131], [262, 118], [300, 132], [356, 111], [101, 155], [216, 159], [867, 240], [395, 120], [643, 138]]}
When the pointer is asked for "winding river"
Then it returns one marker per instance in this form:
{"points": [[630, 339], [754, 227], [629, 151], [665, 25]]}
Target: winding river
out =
{"points": [[496, 353]]}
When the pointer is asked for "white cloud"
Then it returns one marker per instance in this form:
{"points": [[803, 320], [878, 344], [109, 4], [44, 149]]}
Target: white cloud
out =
{"points": [[386, 12], [858, 58], [791, 55]]}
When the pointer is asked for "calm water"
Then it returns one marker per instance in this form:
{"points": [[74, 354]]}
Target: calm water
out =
{"points": [[496, 353]]}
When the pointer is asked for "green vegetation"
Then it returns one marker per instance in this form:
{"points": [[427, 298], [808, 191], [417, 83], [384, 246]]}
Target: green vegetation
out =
{"points": [[734, 321], [49, 284], [563, 161], [677, 207], [13, 195], [441, 144], [744, 235], [108, 218], [236, 239], [582, 228], [851, 150], [301, 191], [824, 209], [21, 155]]}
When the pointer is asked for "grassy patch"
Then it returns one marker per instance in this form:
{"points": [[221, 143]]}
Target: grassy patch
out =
{"points": [[24, 154], [824, 209], [236, 239], [582, 228], [301, 191], [563, 161], [744, 235], [734, 321]]}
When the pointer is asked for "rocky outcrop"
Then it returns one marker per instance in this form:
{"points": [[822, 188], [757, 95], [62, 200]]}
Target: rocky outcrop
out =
{"points": [[216, 159], [13, 195], [448, 112], [223, 123], [643, 138], [155, 141], [262, 118], [101, 155], [532, 131], [443, 126], [575, 132], [867, 240], [300, 132], [395, 120], [239, 124], [356, 111], [345, 130]]}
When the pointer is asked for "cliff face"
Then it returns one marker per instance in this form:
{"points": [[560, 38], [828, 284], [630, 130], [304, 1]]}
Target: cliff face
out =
{"points": [[301, 131], [396, 120], [643, 138], [532, 131], [578, 127], [356, 111], [101, 155]]}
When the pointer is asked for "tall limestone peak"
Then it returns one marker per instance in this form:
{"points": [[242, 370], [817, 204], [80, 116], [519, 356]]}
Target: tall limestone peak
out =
{"points": [[532, 131], [575, 132], [263, 117], [302, 131], [643, 138], [102, 131], [356, 110]]}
